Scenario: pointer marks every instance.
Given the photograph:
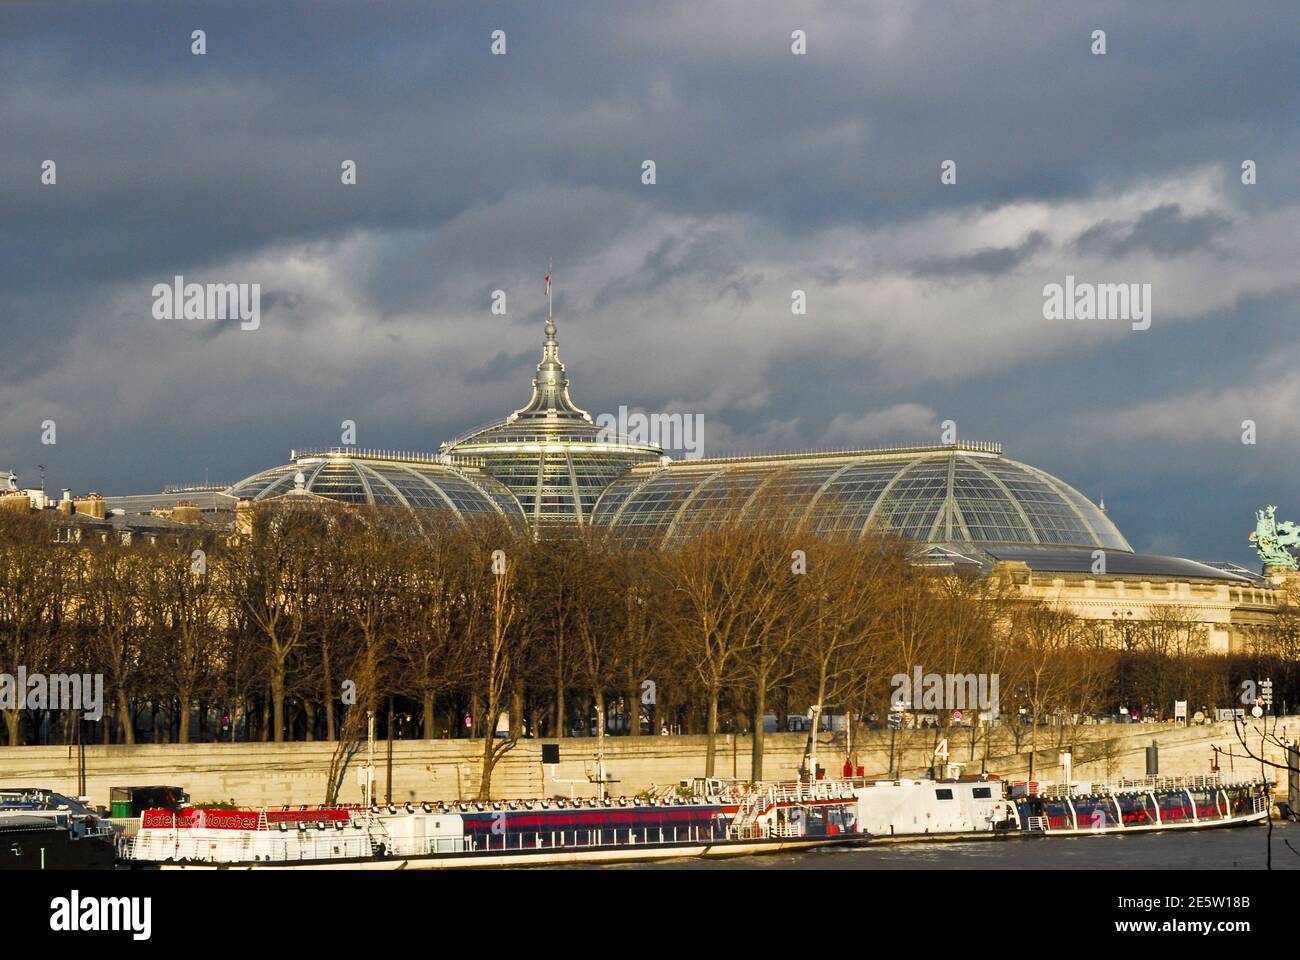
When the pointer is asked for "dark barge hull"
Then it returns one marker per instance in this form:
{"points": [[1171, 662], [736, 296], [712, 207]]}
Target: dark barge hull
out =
{"points": [[53, 848]]}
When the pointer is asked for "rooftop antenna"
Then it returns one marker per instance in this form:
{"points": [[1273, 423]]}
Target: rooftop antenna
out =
{"points": [[41, 467]]}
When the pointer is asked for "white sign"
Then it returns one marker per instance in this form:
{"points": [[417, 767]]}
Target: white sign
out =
{"points": [[1180, 709]]}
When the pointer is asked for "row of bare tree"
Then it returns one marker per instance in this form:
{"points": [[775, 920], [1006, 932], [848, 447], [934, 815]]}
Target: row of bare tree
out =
{"points": [[326, 615]]}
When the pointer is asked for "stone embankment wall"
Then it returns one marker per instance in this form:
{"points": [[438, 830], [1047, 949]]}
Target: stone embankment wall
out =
{"points": [[293, 773]]}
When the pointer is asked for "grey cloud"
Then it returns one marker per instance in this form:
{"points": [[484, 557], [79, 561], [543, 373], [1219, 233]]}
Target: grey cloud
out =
{"points": [[699, 254], [986, 262], [499, 368], [1164, 230]]}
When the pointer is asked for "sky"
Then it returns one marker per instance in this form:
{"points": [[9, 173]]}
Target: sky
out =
{"points": [[774, 171]]}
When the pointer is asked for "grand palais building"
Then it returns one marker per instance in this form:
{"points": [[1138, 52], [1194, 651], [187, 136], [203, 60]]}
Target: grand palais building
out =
{"points": [[548, 464]]}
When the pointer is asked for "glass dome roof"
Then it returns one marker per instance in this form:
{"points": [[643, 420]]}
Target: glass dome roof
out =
{"points": [[383, 479], [549, 464], [549, 453], [965, 493]]}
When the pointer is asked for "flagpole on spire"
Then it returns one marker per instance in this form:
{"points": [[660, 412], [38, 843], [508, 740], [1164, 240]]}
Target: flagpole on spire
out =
{"points": [[549, 314]]}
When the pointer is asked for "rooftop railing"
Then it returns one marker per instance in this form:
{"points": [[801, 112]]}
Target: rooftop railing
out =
{"points": [[990, 448], [395, 456]]}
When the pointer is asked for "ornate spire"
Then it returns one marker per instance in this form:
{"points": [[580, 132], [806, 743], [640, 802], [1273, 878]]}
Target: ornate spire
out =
{"points": [[550, 386]]}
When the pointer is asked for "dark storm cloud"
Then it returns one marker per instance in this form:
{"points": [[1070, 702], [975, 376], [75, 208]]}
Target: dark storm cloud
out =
{"points": [[987, 262], [697, 256], [774, 172], [501, 367], [1165, 231]]}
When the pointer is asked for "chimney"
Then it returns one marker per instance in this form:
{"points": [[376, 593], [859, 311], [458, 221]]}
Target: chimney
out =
{"points": [[244, 518], [91, 505], [15, 502]]}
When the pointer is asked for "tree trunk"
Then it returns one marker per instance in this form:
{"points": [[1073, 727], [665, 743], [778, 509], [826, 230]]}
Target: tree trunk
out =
{"points": [[489, 764], [710, 750], [1033, 744], [810, 748], [277, 700], [517, 713], [126, 717], [756, 739], [600, 739], [560, 719], [634, 713], [327, 694], [430, 724], [14, 724]]}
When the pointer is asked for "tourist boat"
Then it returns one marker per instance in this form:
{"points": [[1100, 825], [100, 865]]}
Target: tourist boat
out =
{"points": [[984, 807], [717, 819], [714, 819], [44, 830]]}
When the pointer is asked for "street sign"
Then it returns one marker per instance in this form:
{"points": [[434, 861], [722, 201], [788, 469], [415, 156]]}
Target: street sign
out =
{"points": [[1180, 709], [956, 715]]}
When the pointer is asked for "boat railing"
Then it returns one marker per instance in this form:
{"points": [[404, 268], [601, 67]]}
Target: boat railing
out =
{"points": [[748, 821], [801, 790], [281, 848], [127, 826], [1154, 784]]}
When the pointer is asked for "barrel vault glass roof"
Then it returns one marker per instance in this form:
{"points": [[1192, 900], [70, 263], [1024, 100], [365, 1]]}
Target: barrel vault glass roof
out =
{"points": [[954, 495], [389, 480]]}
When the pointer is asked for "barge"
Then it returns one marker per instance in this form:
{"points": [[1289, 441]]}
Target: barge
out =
{"points": [[44, 830], [716, 819], [987, 808]]}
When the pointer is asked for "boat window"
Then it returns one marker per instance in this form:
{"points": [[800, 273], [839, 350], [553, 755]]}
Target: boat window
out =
{"points": [[983, 793], [1174, 806], [1137, 809], [943, 794], [1207, 804]]}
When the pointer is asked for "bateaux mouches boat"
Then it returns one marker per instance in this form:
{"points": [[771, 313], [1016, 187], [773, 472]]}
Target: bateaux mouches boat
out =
{"points": [[719, 819], [983, 807], [716, 819]]}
